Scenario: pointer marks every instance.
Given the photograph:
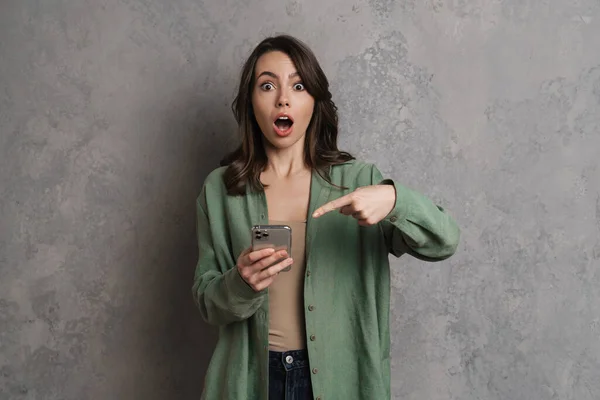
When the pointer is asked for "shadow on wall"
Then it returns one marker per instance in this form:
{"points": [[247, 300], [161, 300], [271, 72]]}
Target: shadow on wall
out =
{"points": [[199, 131]]}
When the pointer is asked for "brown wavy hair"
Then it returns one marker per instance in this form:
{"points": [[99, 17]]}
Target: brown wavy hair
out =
{"points": [[245, 164]]}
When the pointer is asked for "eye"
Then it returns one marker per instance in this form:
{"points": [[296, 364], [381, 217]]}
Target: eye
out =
{"points": [[299, 86], [267, 86]]}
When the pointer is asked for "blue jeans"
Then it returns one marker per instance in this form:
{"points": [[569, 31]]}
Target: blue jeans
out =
{"points": [[289, 375]]}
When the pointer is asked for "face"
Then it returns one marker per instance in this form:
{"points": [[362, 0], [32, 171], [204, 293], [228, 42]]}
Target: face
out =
{"points": [[282, 106]]}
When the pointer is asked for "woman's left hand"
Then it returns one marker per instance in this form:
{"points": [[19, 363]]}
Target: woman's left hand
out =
{"points": [[368, 204]]}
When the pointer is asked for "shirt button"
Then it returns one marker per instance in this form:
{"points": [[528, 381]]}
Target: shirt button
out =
{"points": [[313, 338], [307, 273], [314, 371], [289, 359], [311, 307], [319, 398], [393, 219]]}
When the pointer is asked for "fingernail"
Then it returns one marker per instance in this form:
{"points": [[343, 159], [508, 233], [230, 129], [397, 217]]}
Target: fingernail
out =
{"points": [[289, 261]]}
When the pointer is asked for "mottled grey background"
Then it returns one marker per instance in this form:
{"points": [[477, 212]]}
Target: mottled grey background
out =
{"points": [[112, 112]]}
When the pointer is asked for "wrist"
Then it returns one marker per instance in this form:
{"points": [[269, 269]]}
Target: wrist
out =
{"points": [[390, 196]]}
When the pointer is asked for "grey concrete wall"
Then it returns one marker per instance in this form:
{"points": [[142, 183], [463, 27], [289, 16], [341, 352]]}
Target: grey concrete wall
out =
{"points": [[112, 112]]}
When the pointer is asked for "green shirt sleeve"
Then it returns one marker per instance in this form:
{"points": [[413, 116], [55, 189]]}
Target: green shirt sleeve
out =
{"points": [[416, 225], [222, 297]]}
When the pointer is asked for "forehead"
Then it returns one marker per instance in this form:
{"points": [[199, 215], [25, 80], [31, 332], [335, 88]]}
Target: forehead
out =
{"points": [[275, 61]]}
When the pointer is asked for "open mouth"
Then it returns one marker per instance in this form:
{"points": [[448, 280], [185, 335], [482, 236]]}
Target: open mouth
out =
{"points": [[283, 124]]}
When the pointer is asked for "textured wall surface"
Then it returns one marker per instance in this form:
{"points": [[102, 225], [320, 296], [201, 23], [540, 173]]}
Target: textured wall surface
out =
{"points": [[112, 112]]}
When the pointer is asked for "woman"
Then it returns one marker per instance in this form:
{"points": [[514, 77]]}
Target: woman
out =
{"points": [[321, 330]]}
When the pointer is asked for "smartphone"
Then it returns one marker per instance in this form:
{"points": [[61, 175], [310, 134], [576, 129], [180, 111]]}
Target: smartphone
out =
{"points": [[278, 237]]}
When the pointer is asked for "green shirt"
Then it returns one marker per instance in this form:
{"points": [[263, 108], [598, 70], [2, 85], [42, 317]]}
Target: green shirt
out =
{"points": [[346, 285]]}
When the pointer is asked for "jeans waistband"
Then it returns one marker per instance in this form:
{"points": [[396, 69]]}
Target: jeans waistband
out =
{"points": [[288, 359]]}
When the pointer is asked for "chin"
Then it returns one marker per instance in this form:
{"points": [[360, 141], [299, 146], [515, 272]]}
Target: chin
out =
{"points": [[282, 143]]}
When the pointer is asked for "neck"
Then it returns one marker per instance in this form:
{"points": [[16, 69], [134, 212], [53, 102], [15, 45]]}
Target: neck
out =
{"points": [[287, 162]]}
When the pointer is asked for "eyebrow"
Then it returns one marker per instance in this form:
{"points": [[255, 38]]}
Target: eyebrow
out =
{"points": [[273, 75]]}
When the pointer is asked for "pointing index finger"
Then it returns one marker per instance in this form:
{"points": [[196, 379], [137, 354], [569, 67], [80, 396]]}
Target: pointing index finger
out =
{"points": [[332, 205]]}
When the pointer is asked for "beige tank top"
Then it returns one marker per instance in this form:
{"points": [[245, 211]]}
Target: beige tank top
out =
{"points": [[286, 297]]}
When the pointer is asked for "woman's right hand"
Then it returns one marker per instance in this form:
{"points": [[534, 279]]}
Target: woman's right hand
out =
{"points": [[252, 266]]}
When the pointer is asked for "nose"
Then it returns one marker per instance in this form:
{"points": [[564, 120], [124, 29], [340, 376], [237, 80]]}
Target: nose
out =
{"points": [[283, 100]]}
